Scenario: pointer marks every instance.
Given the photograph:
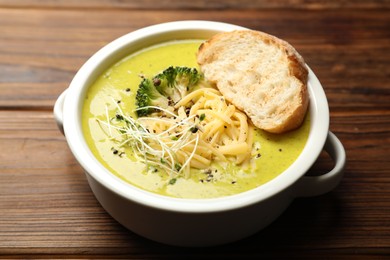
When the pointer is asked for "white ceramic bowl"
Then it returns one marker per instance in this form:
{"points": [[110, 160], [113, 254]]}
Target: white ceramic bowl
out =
{"points": [[194, 222]]}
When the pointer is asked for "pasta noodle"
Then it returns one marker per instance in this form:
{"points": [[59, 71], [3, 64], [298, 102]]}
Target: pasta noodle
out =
{"points": [[203, 128]]}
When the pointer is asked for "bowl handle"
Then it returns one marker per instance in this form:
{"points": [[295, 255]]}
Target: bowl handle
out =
{"points": [[309, 186], [58, 111]]}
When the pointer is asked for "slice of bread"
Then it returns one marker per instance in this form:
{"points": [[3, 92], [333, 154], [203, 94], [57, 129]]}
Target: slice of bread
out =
{"points": [[260, 74]]}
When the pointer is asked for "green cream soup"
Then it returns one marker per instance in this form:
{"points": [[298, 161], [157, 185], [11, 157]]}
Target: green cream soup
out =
{"points": [[119, 84]]}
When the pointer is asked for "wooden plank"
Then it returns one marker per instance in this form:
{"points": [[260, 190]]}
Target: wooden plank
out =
{"points": [[39, 56], [195, 4]]}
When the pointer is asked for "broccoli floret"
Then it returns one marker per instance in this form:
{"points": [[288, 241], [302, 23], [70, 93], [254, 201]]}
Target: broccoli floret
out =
{"points": [[148, 95], [175, 82], [166, 88]]}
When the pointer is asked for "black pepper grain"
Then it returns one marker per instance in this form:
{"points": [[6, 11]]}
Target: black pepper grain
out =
{"points": [[188, 111], [156, 81]]}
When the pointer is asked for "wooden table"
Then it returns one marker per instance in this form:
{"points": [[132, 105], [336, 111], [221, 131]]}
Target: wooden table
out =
{"points": [[47, 209]]}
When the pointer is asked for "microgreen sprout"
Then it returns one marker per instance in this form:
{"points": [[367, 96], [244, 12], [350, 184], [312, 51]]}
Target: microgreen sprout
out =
{"points": [[157, 149]]}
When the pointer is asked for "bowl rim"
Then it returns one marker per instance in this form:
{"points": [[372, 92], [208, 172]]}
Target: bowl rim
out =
{"points": [[319, 127]]}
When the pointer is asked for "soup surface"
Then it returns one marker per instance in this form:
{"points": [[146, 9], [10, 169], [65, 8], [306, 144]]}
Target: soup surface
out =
{"points": [[118, 86]]}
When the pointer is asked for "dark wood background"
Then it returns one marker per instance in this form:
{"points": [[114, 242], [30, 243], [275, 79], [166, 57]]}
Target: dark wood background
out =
{"points": [[46, 207]]}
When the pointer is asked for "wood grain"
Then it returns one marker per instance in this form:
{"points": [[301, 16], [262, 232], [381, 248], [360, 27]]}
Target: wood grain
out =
{"points": [[46, 207], [62, 41], [195, 4]]}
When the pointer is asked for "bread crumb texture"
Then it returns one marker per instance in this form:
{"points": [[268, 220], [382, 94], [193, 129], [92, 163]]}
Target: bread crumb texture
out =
{"points": [[260, 74]]}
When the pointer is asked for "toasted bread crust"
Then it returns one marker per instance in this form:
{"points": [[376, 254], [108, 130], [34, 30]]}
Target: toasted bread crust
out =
{"points": [[260, 74]]}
